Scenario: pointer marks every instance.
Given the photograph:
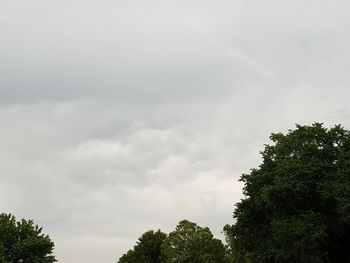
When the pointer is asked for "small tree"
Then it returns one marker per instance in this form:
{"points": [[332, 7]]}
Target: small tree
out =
{"points": [[297, 205], [190, 243], [23, 241], [147, 249]]}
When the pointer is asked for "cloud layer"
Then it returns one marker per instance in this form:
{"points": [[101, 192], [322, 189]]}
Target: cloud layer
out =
{"points": [[123, 116]]}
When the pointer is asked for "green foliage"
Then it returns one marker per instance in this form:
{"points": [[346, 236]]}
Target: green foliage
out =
{"points": [[190, 243], [23, 241], [230, 252], [147, 249], [297, 205]]}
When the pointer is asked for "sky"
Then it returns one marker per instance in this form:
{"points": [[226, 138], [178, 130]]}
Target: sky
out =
{"points": [[122, 116]]}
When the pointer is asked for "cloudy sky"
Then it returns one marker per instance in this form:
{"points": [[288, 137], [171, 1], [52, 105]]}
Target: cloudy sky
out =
{"points": [[122, 116]]}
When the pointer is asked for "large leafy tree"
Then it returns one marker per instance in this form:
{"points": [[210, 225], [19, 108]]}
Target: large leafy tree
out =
{"points": [[297, 202], [190, 243], [146, 250], [22, 241]]}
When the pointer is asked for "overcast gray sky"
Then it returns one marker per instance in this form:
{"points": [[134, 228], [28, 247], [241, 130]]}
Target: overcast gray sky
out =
{"points": [[122, 116]]}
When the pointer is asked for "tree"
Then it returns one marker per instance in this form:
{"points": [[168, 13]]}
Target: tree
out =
{"points": [[190, 243], [297, 203], [23, 241], [147, 249]]}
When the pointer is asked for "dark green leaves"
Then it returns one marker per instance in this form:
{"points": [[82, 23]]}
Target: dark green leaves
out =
{"points": [[23, 242], [188, 243], [147, 249], [297, 206]]}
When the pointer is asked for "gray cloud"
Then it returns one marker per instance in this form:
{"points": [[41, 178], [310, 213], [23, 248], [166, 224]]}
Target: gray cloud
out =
{"points": [[123, 116]]}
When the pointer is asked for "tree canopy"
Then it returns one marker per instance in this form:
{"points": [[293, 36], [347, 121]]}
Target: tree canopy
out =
{"points": [[22, 241], [190, 243], [297, 202], [146, 250]]}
